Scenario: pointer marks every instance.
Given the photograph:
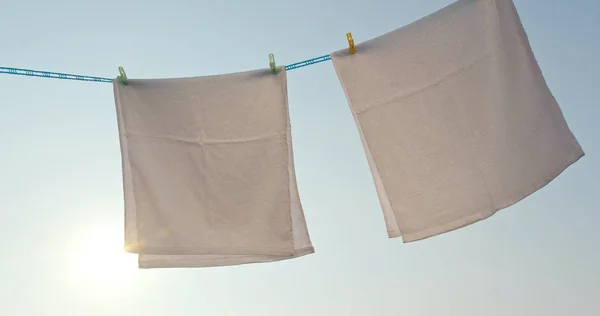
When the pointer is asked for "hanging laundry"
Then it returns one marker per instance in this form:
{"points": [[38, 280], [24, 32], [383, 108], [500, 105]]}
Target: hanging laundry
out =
{"points": [[455, 117], [208, 171]]}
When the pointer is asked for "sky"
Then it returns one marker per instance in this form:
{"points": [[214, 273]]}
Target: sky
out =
{"points": [[61, 199]]}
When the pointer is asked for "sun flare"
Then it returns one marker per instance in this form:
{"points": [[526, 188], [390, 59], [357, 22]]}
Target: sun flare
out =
{"points": [[100, 259]]}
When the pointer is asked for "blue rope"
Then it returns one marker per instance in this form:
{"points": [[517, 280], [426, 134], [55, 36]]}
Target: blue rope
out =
{"points": [[308, 62], [47, 74], [58, 75]]}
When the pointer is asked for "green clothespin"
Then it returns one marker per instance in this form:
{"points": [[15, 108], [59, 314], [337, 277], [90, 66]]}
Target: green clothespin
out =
{"points": [[122, 77], [272, 64]]}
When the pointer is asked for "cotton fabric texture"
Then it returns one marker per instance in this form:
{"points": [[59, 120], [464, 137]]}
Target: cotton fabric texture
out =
{"points": [[455, 117], [208, 171]]}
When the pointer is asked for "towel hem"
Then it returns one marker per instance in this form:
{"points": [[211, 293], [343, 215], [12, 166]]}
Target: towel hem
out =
{"points": [[217, 262], [258, 251], [476, 217]]}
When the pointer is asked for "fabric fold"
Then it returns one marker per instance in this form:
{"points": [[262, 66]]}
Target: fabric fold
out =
{"points": [[208, 171], [455, 117]]}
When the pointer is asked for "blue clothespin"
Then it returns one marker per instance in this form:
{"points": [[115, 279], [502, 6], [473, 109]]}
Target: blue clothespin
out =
{"points": [[272, 64], [122, 76]]}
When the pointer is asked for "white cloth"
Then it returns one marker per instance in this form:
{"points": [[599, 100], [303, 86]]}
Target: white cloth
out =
{"points": [[208, 171], [455, 117]]}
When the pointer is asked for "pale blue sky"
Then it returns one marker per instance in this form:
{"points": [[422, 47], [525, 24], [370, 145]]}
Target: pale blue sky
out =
{"points": [[60, 169]]}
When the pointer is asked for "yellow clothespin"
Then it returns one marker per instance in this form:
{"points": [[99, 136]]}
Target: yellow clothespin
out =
{"points": [[122, 76], [351, 44]]}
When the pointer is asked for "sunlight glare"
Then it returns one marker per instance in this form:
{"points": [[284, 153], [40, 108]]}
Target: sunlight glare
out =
{"points": [[100, 259]]}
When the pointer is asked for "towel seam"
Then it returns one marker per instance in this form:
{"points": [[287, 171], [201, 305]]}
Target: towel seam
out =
{"points": [[476, 217], [374, 170]]}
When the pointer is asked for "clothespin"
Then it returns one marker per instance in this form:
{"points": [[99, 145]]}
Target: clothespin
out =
{"points": [[351, 44], [122, 76], [272, 64]]}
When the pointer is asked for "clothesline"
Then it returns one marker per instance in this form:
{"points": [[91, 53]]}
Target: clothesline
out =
{"points": [[58, 75]]}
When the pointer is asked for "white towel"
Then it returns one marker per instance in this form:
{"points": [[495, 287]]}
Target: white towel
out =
{"points": [[455, 117], [208, 171]]}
